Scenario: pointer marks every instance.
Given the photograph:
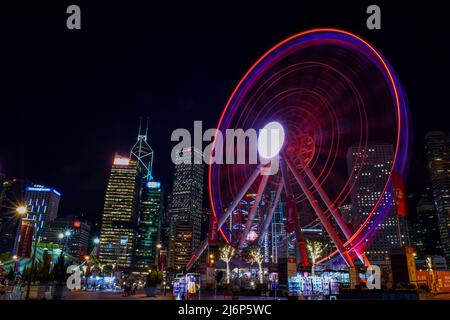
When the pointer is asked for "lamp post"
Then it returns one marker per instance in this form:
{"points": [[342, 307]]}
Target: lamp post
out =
{"points": [[60, 237], [67, 234], [22, 210], [159, 265], [158, 251]]}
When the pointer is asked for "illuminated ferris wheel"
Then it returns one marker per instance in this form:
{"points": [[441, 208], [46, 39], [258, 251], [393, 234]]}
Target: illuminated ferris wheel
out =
{"points": [[323, 92]]}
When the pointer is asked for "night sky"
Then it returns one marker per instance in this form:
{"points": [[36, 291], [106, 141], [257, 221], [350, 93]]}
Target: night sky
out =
{"points": [[70, 99]]}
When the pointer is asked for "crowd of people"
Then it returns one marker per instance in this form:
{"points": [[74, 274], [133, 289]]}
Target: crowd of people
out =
{"points": [[2, 287], [9, 288], [129, 288]]}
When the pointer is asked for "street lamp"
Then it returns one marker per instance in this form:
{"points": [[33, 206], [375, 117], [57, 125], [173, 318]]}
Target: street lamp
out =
{"points": [[60, 237], [96, 241], [21, 210], [158, 252], [66, 236]]}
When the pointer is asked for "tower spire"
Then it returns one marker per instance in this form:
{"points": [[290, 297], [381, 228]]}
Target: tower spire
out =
{"points": [[146, 128], [143, 152], [140, 124]]}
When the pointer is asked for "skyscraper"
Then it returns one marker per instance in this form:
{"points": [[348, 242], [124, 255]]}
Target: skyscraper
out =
{"points": [[132, 215], [347, 214], [76, 241], [437, 145], [185, 207], [165, 223], [180, 246], [149, 225], [427, 240], [150, 203], [120, 213], [12, 193], [42, 204], [373, 175]]}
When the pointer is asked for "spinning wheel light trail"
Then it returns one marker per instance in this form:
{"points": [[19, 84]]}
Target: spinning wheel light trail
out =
{"points": [[326, 92]]}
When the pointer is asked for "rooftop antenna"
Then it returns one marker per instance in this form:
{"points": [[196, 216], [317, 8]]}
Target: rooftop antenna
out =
{"points": [[146, 128], [140, 123]]}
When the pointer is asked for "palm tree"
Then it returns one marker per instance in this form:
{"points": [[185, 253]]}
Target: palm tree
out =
{"points": [[226, 253], [315, 249]]}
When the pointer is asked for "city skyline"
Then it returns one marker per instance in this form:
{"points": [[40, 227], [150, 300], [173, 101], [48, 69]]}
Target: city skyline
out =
{"points": [[282, 152], [208, 66]]}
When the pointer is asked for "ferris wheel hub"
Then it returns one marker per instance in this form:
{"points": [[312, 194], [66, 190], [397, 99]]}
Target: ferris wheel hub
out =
{"points": [[271, 140]]}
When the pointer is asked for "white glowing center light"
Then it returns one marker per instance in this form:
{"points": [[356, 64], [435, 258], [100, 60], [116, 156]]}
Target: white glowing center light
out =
{"points": [[270, 140]]}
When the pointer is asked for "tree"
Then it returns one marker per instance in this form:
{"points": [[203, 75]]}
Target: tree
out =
{"points": [[154, 278], [11, 276], [43, 272], [4, 256], [433, 279], [315, 249], [59, 270], [26, 274], [255, 255], [226, 253]]}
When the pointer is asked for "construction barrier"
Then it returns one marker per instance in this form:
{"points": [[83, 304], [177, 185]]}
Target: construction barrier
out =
{"points": [[437, 281]]}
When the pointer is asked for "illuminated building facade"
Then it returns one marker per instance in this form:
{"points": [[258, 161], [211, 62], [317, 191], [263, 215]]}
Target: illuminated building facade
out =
{"points": [[437, 145], [347, 214], [374, 173], [165, 224], [76, 235], [180, 251], [149, 225], [185, 207], [131, 224], [150, 204], [120, 213], [426, 237], [42, 206], [12, 194]]}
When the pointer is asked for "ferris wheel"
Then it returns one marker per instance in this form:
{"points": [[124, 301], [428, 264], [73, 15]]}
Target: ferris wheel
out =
{"points": [[328, 94]]}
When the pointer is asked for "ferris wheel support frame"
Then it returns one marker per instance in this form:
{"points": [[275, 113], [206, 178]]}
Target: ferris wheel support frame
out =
{"points": [[301, 246], [226, 215], [334, 212], [319, 212], [301, 255], [251, 214], [239, 196], [269, 215]]}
